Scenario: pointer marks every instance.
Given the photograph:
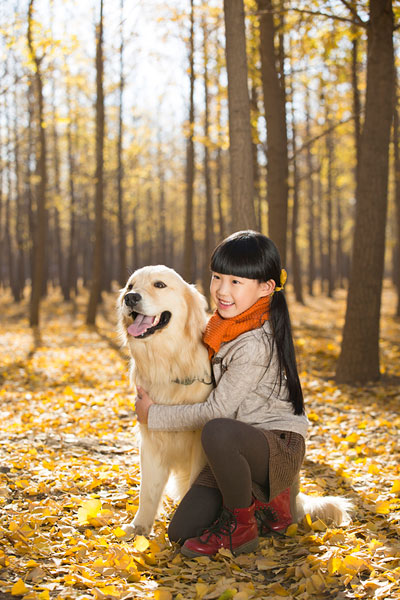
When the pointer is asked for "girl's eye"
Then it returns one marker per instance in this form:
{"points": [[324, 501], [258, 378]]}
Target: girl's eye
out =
{"points": [[160, 284], [215, 276], [235, 281]]}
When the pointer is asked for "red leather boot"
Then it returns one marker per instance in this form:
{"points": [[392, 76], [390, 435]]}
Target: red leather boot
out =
{"points": [[235, 529], [275, 515]]}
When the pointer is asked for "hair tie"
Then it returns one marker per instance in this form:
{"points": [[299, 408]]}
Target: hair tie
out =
{"points": [[283, 281]]}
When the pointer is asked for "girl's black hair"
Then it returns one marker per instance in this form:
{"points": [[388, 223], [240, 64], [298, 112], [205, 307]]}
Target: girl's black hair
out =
{"points": [[253, 255]]}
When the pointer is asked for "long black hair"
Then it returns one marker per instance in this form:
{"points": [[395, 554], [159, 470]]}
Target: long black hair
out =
{"points": [[253, 255]]}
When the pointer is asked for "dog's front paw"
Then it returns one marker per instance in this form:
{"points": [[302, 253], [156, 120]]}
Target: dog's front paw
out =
{"points": [[133, 529]]}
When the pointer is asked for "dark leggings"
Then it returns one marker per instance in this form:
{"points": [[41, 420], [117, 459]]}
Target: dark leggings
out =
{"points": [[237, 454]]}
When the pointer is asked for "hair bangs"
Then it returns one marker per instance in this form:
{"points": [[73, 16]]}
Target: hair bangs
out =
{"points": [[240, 256]]}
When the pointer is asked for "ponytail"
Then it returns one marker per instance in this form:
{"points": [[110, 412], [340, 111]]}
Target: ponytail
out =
{"points": [[282, 330]]}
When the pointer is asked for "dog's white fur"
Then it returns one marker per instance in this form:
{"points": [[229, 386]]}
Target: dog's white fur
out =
{"points": [[170, 355], [176, 353]]}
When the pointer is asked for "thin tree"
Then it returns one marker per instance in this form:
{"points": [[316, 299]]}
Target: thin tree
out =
{"points": [[396, 142], [40, 228], [209, 221], [310, 202], [122, 274], [96, 282], [359, 357], [275, 114], [190, 167], [240, 145]]}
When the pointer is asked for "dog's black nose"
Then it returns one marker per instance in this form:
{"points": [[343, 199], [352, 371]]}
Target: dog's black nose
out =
{"points": [[132, 298]]}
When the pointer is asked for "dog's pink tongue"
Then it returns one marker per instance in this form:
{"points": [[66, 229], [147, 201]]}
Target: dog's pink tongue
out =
{"points": [[140, 325]]}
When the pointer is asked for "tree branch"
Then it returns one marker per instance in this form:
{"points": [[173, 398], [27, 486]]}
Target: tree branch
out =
{"points": [[315, 13]]}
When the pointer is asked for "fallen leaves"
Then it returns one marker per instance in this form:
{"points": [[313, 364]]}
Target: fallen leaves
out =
{"points": [[69, 475]]}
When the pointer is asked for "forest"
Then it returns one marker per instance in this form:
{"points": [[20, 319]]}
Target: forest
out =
{"points": [[143, 133]]}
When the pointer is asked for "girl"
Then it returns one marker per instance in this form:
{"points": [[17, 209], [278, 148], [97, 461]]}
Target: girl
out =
{"points": [[254, 425]]}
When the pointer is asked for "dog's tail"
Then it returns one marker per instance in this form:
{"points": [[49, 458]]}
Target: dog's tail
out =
{"points": [[334, 510]]}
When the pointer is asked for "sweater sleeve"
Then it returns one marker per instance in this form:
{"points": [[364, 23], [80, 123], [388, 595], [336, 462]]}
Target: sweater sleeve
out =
{"points": [[242, 374]]}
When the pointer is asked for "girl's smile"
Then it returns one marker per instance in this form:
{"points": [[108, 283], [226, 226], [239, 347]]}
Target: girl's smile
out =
{"points": [[233, 295]]}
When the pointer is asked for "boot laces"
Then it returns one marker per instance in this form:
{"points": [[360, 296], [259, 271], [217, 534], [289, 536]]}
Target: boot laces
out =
{"points": [[263, 516], [224, 525]]}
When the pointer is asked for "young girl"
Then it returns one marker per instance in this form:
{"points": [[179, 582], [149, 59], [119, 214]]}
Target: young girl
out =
{"points": [[253, 422]]}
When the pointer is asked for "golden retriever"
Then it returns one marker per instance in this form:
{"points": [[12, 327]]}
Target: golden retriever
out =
{"points": [[161, 319]]}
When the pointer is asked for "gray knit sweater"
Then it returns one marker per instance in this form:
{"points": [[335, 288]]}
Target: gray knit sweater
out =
{"points": [[247, 389]]}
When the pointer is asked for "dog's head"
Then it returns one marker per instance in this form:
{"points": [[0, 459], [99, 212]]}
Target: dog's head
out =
{"points": [[156, 299]]}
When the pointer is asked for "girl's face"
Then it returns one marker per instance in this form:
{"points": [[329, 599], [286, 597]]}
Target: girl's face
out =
{"points": [[233, 295]]}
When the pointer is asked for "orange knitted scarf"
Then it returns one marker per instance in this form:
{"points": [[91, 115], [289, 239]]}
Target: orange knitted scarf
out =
{"points": [[221, 330]]}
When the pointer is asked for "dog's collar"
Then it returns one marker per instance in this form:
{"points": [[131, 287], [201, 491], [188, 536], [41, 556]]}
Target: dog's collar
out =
{"points": [[190, 380]]}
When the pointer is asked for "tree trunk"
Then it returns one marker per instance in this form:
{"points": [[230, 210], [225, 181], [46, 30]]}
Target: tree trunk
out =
{"points": [[296, 266], [310, 202], [19, 280], [209, 220], [190, 168], [71, 271], [98, 254], [359, 358], [396, 268], [218, 160], [329, 211], [275, 115], [240, 150], [40, 229], [122, 273]]}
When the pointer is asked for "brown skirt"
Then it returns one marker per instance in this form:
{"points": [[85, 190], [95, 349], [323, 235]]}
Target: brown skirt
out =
{"points": [[286, 454]]}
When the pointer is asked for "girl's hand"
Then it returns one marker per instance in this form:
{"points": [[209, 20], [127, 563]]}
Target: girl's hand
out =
{"points": [[142, 405]]}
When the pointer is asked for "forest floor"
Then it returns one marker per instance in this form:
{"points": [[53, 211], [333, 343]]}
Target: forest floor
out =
{"points": [[69, 471]]}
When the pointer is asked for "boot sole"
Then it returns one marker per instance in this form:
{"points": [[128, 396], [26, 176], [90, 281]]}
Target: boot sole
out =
{"points": [[247, 547]]}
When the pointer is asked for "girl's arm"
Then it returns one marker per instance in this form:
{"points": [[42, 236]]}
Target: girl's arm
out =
{"points": [[244, 372]]}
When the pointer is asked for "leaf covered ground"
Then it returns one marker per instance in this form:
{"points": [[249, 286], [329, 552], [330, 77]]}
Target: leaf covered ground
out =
{"points": [[69, 472]]}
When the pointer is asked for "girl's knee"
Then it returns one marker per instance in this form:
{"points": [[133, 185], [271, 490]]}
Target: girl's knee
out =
{"points": [[217, 433]]}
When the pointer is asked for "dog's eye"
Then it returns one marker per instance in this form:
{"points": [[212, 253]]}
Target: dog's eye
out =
{"points": [[130, 286], [159, 284]]}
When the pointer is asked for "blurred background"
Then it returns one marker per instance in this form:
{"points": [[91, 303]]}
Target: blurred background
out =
{"points": [[136, 133]]}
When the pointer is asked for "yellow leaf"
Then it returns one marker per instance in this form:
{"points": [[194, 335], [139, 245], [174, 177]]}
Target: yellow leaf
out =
{"points": [[351, 565], [201, 589], [396, 487], [291, 531], [19, 588], [119, 532], [382, 508], [278, 589], [227, 594], [141, 543], [45, 595], [318, 525], [88, 510], [334, 565], [374, 469], [162, 594]]}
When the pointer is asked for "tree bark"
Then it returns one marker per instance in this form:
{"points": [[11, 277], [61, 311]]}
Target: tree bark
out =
{"points": [[209, 220], [40, 229], [240, 147], [98, 254], [296, 265], [275, 115], [396, 141], [188, 269], [310, 202], [359, 358], [122, 274]]}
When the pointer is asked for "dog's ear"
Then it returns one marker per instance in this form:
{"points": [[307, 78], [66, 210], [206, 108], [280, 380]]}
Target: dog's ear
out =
{"points": [[196, 312]]}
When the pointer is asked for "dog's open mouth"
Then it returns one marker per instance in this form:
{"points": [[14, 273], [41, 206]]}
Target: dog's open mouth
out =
{"points": [[145, 325]]}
